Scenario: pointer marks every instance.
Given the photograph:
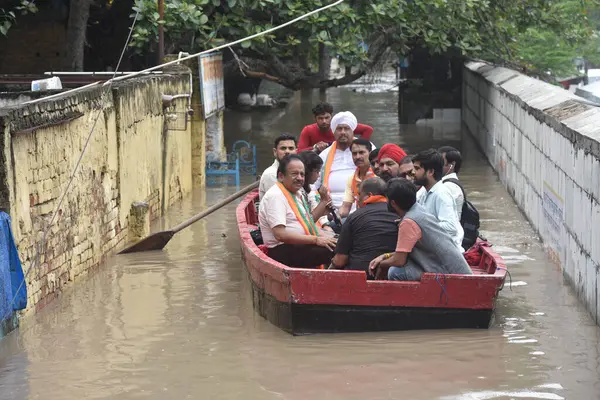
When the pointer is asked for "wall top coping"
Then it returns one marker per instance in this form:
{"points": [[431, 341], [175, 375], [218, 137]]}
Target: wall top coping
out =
{"points": [[575, 118]]}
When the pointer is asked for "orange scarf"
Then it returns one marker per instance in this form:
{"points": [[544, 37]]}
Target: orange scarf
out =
{"points": [[355, 193], [375, 199], [304, 219], [329, 163]]}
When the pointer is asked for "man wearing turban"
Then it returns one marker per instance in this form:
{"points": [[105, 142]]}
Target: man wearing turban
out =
{"points": [[338, 165], [319, 135], [394, 163]]}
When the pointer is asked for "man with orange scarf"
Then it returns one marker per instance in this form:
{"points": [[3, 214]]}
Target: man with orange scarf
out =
{"points": [[368, 231], [360, 149], [286, 223], [338, 166]]}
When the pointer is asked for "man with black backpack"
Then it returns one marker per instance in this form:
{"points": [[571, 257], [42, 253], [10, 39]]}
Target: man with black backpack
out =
{"points": [[467, 213]]}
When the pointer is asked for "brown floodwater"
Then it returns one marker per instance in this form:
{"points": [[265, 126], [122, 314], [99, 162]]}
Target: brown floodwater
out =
{"points": [[179, 324]]}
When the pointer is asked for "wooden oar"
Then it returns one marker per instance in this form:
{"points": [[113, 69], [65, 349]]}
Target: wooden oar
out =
{"points": [[158, 240]]}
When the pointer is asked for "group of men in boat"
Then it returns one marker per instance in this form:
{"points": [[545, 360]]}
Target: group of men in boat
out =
{"points": [[401, 213]]}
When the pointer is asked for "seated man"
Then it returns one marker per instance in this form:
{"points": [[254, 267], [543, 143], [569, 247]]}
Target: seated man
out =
{"points": [[286, 224], [423, 246], [284, 144], [369, 231]]}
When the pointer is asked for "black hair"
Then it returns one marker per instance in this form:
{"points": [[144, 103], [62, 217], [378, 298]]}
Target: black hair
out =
{"points": [[374, 185], [312, 162], [285, 136], [373, 155], [431, 160], [322, 108], [284, 162], [362, 142], [406, 160], [452, 156], [402, 192]]}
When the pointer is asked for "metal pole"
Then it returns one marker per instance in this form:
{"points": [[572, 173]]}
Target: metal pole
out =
{"points": [[161, 32]]}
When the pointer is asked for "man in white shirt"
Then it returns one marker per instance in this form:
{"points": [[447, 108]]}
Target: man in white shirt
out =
{"points": [[438, 201], [286, 224], [284, 144], [338, 165], [452, 164]]}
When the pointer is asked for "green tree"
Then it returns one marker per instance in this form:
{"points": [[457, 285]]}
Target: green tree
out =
{"points": [[487, 29], [8, 16]]}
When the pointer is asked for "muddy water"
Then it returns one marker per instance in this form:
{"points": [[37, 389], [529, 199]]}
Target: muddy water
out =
{"points": [[179, 323]]}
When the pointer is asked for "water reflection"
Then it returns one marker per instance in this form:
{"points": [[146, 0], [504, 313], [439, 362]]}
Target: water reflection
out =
{"points": [[179, 323]]}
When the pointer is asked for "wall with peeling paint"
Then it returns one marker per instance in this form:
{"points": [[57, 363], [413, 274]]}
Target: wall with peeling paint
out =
{"points": [[130, 158], [544, 142]]}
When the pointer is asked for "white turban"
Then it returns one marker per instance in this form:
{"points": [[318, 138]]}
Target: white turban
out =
{"points": [[344, 117]]}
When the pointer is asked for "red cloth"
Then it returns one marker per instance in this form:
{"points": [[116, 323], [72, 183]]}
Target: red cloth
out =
{"points": [[474, 254], [392, 151], [311, 135]]}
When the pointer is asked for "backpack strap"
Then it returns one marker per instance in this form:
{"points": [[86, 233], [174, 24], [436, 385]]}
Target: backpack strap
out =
{"points": [[457, 183]]}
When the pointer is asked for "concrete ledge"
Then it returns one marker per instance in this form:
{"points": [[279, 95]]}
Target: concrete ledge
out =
{"points": [[544, 142]]}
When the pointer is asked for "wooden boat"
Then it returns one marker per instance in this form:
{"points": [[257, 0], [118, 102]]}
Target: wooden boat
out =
{"points": [[302, 301]]}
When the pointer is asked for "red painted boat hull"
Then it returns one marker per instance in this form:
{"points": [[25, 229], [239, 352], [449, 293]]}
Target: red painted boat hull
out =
{"points": [[302, 301]]}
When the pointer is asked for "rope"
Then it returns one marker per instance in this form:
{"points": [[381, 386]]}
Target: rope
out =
{"points": [[134, 74], [442, 286], [509, 278]]}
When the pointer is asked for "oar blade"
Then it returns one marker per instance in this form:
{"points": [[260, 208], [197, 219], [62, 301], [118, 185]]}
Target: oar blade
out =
{"points": [[156, 241]]}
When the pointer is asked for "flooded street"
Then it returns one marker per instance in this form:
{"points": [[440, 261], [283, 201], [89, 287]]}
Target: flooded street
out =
{"points": [[179, 324]]}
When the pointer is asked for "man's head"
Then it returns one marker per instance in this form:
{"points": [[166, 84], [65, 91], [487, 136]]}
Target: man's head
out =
{"points": [[291, 172], [343, 125], [284, 144], [360, 149], [401, 194], [373, 161], [429, 167], [406, 169], [371, 187], [452, 159], [389, 158], [322, 113]]}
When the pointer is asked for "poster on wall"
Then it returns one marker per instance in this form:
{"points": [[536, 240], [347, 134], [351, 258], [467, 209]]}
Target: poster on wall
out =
{"points": [[212, 89], [553, 206]]}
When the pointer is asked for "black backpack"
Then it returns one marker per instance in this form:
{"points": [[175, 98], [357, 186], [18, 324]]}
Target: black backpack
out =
{"points": [[469, 218]]}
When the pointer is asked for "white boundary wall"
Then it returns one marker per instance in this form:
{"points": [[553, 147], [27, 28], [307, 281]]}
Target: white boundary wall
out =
{"points": [[544, 142]]}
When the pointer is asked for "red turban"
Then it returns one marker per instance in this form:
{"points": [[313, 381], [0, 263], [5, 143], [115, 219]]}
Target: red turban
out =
{"points": [[392, 151]]}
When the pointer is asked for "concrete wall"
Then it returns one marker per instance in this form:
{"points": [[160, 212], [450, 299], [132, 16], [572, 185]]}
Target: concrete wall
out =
{"points": [[128, 160], [544, 142]]}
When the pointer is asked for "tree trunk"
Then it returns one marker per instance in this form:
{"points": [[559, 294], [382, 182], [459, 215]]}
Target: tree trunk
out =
{"points": [[79, 12], [324, 64]]}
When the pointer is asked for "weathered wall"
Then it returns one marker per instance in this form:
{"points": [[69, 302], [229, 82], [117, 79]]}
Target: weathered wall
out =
{"points": [[544, 142], [128, 159]]}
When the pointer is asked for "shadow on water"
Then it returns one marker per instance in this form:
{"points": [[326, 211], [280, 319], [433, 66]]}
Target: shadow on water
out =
{"points": [[179, 323]]}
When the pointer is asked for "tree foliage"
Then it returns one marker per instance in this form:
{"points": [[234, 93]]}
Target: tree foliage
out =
{"points": [[488, 29], [8, 17]]}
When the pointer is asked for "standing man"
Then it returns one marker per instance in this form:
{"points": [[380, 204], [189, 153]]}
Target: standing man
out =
{"points": [[338, 165], [284, 144], [452, 164], [438, 201], [286, 224], [319, 135], [373, 161], [360, 149]]}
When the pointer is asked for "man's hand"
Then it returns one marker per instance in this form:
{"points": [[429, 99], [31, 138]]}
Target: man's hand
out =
{"points": [[327, 242], [373, 265], [319, 147], [324, 193]]}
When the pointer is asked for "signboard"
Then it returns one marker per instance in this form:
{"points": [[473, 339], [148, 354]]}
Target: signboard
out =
{"points": [[212, 90], [553, 206]]}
